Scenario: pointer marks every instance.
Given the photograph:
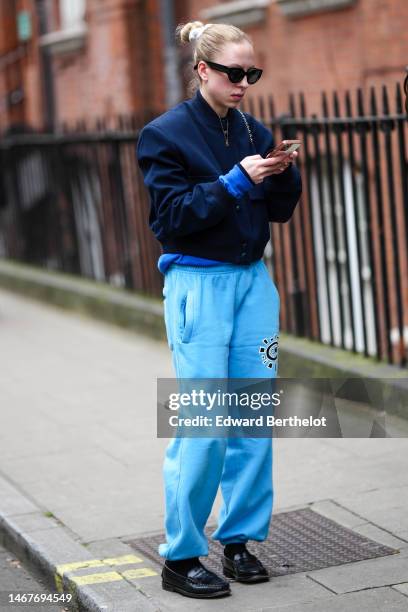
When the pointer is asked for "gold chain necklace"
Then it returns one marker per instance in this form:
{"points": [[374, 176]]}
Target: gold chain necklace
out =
{"points": [[225, 132]]}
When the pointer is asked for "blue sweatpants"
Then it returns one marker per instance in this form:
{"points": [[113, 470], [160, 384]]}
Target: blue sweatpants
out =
{"points": [[217, 319]]}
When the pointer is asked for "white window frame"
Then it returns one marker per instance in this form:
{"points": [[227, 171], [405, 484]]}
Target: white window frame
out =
{"points": [[241, 13], [300, 8], [73, 29], [71, 13]]}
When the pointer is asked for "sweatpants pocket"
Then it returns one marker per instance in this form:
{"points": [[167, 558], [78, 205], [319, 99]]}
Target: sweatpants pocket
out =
{"points": [[186, 320]]}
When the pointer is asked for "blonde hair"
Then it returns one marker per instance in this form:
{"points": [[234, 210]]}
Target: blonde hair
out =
{"points": [[208, 44]]}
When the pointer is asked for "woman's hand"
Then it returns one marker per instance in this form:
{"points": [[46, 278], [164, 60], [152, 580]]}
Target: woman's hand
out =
{"points": [[259, 167]]}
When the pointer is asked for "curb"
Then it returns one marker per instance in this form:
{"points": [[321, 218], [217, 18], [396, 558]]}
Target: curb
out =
{"points": [[92, 298], [51, 551]]}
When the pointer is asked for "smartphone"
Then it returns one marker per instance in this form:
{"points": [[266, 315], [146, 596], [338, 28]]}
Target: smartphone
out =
{"points": [[286, 146]]}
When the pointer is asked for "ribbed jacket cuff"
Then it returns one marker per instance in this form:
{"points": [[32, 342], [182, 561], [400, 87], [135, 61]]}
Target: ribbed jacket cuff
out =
{"points": [[237, 182]]}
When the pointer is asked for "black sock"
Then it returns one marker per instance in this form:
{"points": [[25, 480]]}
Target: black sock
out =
{"points": [[235, 547], [182, 566]]}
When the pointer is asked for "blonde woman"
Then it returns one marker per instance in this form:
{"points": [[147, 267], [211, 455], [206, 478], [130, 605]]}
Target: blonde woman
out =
{"points": [[212, 195]]}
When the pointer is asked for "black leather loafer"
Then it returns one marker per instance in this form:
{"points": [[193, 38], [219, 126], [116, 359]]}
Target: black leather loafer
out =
{"points": [[199, 582], [244, 567]]}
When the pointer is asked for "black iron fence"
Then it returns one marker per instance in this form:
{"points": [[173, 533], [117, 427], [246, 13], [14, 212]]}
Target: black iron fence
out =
{"points": [[76, 202]]}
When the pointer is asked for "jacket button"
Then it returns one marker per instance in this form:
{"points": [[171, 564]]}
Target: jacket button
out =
{"points": [[237, 207]]}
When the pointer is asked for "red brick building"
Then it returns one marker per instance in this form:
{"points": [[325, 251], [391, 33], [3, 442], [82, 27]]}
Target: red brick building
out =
{"points": [[316, 45], [82, 59], [110, 57], [17, 57]]}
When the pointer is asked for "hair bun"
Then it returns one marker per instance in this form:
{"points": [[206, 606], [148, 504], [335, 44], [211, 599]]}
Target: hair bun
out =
{"points": [[196, 32], [183, 31]]}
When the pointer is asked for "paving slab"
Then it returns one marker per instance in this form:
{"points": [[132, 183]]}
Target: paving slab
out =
{"points": [[375, 600], [385, 506], [338, 513], [402, 588], [12, 502], [380, 535], [382, 571], [283, 590]]}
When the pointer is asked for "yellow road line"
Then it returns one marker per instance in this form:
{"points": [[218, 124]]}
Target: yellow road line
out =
{"points": [[102, 576], [69, 567], [122, 560], [142, 572], [96, 578]]}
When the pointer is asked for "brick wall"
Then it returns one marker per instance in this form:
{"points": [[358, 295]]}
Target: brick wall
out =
{"points": [[119, 69], [26, 72], [365, 44]]}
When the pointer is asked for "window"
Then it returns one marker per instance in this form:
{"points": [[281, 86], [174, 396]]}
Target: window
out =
{"points": [[241, 13], [73, 29], [299, 8], [71, 13]]}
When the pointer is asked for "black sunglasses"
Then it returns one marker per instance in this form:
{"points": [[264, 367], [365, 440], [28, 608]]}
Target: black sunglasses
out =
{"points": [[236, 75]]}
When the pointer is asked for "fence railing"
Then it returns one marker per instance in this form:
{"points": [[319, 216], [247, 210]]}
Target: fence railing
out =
{"points": [[76, 202], [341, 263]]}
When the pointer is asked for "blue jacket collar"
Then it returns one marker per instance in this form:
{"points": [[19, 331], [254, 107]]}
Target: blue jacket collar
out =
{"points": [[200, 103]]}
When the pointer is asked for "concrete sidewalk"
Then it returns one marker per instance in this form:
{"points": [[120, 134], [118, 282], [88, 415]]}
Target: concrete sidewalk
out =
{"points": [[81, 472]]}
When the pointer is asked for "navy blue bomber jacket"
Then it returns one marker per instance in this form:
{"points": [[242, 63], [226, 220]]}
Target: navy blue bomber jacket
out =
{"points": [[181, 154]]}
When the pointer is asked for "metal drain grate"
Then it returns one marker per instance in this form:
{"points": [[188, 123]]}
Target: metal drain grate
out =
{"points": [[298, 541]]}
